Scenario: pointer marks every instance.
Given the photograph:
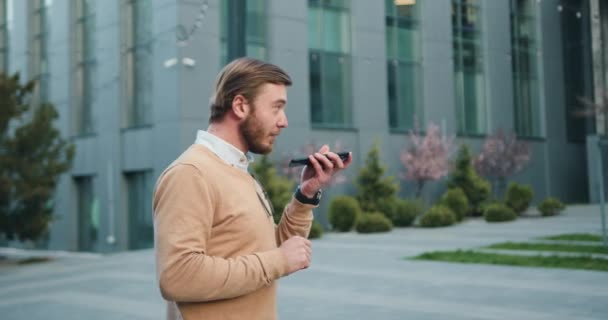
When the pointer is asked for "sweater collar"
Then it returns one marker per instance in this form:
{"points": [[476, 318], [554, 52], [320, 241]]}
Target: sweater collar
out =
{"points": [[226, 151]]}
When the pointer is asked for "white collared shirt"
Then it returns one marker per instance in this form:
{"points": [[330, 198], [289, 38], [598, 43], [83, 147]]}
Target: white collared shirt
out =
{"points": [[226, 151]]}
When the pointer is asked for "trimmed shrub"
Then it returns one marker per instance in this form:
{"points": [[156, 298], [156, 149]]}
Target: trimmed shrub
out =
{"points": [[406, 212], [438, 216], [456, 200], [343, 212], [373, 222], [316, 230], [519, 197], [550, 207], [499, 212], [464, 177], [387, 207], [373, 187], [486, 204], [479, 193]]}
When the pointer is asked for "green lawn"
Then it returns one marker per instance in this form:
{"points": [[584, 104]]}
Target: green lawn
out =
{"points": [[469, 256], [575, 237], [550, 247]]}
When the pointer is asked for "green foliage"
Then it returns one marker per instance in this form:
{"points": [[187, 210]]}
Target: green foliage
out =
{"points": [[387, 207], [456, 200], [406, 212], [464, 177], [33, 155], [575, 237], [372, 188], [556, 247], [550, 207], [343, 212], [498, 212], [278, 188], [316, 230], [373, 222], [468, 256], [519, 197], [438, 216]]}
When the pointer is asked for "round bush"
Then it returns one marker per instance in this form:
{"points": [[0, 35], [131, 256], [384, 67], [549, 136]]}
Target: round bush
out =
{"points": [[550, 207], [388, 207], [343, 212], [498, 212], [316, 230], [480, 192], [438, 216], [456, 200], [406, 212], [373, 222], [519, 197]]}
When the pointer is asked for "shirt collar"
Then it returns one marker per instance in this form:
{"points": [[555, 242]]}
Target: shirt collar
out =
{"points": [[226, 151]]}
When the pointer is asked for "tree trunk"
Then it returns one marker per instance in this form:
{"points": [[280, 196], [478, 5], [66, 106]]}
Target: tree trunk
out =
{"points": [[419, 185]]}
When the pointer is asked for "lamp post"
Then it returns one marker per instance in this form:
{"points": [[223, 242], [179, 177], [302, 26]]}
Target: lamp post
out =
{"points": [[601, 142]]}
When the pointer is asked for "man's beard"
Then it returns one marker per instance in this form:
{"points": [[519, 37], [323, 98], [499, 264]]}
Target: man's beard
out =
{"points": [[253, 133]]}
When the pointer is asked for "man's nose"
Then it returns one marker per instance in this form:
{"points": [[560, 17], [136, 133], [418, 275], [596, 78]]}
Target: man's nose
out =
{"points": [[282, 121]]}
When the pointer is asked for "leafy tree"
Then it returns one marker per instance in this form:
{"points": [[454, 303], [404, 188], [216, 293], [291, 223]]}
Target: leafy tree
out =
{"points": [[502, 156], [278, 188], [427, 157], [32, 157], [464, 177], [372, 188]]}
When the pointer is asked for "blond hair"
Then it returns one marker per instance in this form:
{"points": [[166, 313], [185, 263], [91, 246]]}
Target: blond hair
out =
{"points": [[243, 76]]}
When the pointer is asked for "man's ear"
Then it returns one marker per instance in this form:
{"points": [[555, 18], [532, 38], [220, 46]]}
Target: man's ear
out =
{"points": [[240, 107]]}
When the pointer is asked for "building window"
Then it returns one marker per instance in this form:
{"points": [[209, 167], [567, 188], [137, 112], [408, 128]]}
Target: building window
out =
{"points": [[403, 63], [525, 68], [84, 69], [255, 30], [468, 72], [138, 63], [38, 30], [578, 78], [330, 62], [88, 214], [140, 186], [6, 13]]}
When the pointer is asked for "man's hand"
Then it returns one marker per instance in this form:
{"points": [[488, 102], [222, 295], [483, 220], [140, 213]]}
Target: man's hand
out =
{"points": [[324, 165], [297, 251]]}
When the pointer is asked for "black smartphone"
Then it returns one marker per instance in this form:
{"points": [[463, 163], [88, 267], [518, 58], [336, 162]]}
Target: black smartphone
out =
{"points": [[305, 161]]}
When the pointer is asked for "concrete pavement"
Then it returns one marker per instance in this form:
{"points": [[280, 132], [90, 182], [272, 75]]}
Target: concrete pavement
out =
{"points": [[353, 276]]}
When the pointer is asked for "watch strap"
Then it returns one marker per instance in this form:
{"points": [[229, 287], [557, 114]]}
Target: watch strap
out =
{"points": [[306, 200]]}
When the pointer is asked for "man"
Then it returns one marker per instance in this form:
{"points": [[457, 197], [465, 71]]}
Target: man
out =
{"points": [[218, 251]]}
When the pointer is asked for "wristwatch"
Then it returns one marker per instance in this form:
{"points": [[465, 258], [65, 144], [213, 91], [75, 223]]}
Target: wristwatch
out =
{"points": [[315, 200]]}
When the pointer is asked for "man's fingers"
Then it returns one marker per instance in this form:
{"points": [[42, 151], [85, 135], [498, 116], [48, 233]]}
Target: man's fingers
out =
{"points": [[335, 159], [315, 164], [327, 164], [324, 149]]}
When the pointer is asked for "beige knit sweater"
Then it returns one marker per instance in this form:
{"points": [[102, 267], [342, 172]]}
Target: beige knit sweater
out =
{"points": [[216, 244]]}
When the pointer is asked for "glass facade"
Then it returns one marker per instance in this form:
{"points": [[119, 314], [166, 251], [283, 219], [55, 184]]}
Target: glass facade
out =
{"points": [[403, 64], [88, 214], [255, 31], [329, 55], [104, 51], [38, 58], [5, 22], [138, 63], [468, 67], [525, 68], [576, 49], [140, 186], [84, 71]]}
